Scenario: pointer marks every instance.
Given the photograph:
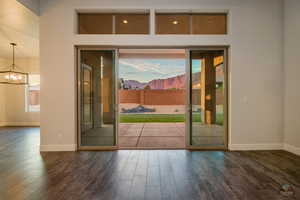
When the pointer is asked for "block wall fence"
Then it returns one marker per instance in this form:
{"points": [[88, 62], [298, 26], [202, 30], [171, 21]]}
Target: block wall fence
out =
{"points": [[161, 97]]}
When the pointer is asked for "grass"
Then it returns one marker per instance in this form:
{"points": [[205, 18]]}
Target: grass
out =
{"points": [[143, 118], [135, 118]]}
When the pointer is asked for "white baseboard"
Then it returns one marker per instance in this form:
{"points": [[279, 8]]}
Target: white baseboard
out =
{"points": [[249, 147], [292, 149], [19, 123], [66, 147]]}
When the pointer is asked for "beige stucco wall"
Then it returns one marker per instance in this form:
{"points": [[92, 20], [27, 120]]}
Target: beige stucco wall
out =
{"points": [[255, 64], [291, 75], [12, 100]]}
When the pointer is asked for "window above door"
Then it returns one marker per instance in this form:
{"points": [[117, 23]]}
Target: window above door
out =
{"points": [[114, 23], [183, 23]]}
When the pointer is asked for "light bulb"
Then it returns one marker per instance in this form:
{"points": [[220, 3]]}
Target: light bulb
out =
{"points": [[175, 22], [125, 21], [13, 77]]}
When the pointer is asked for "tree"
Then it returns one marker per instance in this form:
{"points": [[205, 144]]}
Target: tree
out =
{"points": [[147, 87]]}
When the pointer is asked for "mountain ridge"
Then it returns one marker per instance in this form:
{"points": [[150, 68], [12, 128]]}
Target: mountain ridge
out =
{"points": [[176, 82]]}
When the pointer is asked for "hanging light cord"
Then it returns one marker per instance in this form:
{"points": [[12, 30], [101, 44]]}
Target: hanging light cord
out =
{"points": [[13, 45]]}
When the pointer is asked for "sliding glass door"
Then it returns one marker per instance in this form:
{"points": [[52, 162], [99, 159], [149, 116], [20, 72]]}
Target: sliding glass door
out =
{"points": [[96, 99], [207, 104]]}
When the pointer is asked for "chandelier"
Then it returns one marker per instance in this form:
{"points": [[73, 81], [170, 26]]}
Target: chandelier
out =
{"points": [[13, 75]]}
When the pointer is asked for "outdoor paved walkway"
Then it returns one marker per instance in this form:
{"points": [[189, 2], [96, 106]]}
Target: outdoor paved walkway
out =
{"points": [[168, 135], [152, 135], [155, 135]]}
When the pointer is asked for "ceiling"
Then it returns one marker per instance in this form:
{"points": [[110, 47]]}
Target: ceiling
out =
{"points": [[19, 25]]}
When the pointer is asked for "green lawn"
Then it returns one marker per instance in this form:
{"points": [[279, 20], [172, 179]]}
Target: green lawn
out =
{"points": [[137, 118]]}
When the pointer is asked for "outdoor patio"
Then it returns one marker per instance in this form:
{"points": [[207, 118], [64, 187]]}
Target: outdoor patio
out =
{"points": [[152, 135], [155, 135], [168, 135]]}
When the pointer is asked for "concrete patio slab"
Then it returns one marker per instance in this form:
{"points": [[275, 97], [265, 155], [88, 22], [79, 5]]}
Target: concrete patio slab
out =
{"points": [[161, 142], [155, 135], [151, 135], [128, 141], [163, 132]]}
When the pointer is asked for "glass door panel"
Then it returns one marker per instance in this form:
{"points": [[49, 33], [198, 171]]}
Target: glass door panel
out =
{"points": [[207, 99], [97, 98]]}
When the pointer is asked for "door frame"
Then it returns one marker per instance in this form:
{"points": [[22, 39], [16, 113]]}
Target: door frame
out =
{"points": [[78, 50], [188, 99], [115, 49]]}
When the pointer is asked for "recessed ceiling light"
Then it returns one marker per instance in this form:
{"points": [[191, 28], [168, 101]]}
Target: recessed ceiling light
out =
{"points": [[175, 22], [125, 21]]}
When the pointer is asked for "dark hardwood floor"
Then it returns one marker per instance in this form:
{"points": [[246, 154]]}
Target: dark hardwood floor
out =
{"points": [[25, 173]]}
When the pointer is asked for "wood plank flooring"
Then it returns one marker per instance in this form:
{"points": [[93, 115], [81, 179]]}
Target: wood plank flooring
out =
{"points": [[25, 173]]}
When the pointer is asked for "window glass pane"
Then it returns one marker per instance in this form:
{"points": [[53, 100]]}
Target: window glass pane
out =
{"points": [[94, 23], [207, 99], [209, 24], [172, 24], [33, 94], [97, 120], [132, 24], [34, 80]]}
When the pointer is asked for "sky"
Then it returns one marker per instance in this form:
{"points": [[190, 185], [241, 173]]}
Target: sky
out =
{"points": [[145, 70]]}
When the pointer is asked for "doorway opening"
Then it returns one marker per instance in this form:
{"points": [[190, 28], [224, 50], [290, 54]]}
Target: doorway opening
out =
{"points": [[152, 98], [208, 99]]}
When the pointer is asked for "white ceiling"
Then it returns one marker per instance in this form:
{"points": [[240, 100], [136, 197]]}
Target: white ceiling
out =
{"points": [[19, 25]]}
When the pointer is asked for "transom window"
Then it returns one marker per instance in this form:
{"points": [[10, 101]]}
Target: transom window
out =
{"points": [[113, 23], [165, 23], [195, 23]]}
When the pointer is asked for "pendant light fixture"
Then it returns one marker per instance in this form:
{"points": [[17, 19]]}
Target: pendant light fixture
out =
{"points": [[13, 75]]}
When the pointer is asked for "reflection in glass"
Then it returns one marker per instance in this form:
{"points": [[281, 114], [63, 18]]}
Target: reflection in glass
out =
{"points": [[97, 101], [207, 98]]}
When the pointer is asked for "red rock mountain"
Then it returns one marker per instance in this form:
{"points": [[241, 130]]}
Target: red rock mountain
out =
{"points": [[177, 82]]}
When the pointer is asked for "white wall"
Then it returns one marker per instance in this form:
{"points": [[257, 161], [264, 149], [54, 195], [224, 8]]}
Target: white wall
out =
{"points": [[256, 82], [292, 72], [33, 5], [12, 98], [18, 25], [3, 62], [2, 106]]}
